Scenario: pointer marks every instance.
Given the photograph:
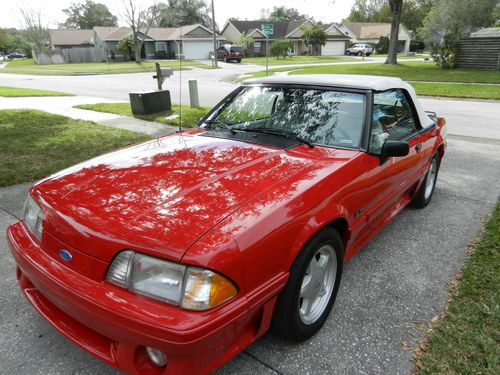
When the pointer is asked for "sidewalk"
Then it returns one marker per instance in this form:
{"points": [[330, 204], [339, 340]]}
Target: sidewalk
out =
{"points": [[63, 105]]}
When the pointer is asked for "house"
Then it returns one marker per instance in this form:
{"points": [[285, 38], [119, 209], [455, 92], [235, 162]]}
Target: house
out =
{"points": [[71, 38], [191, 41], [365, 32], [293, 30], [337, 41]]}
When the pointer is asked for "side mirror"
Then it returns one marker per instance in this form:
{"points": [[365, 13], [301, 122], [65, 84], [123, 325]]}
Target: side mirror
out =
{"points": [[394, 148]]}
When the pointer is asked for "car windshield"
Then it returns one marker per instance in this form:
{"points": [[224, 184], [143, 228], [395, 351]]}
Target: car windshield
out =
{"points": [[236, 49], [319, 116]]}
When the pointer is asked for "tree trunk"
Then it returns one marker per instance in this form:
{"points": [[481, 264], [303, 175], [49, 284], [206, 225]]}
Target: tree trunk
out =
{"points": [[396, 10], [138, 50]]}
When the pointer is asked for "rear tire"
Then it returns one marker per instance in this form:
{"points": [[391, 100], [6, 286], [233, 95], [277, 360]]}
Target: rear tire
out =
{"points": [[424, 194], [307, 299]]}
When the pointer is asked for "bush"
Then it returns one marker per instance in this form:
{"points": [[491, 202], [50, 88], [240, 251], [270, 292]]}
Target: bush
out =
{"points": [[383, 45], [126, 46], [445, 54], [279, 48], [417, 46]]}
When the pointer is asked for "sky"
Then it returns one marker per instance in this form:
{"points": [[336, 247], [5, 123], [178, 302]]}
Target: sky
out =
{"points": [[322, 10]]}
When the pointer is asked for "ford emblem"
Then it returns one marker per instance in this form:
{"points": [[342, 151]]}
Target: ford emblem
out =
{"points": [[65, 255]]}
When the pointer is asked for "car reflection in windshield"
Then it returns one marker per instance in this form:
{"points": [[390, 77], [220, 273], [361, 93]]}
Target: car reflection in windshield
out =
{"points": [[310, 116]]}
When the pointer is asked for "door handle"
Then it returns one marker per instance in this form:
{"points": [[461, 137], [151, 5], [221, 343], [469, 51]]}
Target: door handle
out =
{"points": [[418, 147]]}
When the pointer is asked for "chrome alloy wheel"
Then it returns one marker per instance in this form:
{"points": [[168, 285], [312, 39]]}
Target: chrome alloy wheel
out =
{"points": [[430, 179], [317, 284]]}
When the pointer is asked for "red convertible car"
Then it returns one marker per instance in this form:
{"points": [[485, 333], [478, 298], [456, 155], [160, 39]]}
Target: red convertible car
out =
{"points": [[172, 256]]}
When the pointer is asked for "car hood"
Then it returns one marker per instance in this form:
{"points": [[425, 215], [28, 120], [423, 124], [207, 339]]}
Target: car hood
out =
{"points": [[160, 196]]}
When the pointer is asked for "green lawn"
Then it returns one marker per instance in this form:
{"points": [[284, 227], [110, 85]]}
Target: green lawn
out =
{"points": [[297, 60], [415, 71], [190, 116], [467, 339], [401, 56], [28, 66], [34, 144], [410, 71], [457, 90], [18, 92]]}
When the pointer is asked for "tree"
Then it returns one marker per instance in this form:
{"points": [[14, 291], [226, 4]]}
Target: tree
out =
{"points": [[4, 40], [245, 41], [87, 15], [315, 37], [413, 15], [177, 13], [36, 32], [18, 44], [463, 15], [279, 48], [140, 21], [282, 13], [126, 46], [396, 10], [383, 45], [445, 53]]}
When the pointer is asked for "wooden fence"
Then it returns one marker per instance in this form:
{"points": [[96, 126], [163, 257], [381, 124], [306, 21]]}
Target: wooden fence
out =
{"points": [[70, 55], [483, 53]]}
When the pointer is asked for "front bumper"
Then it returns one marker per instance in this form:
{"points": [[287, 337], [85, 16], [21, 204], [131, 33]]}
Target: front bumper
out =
{"points": [[115, 325]]}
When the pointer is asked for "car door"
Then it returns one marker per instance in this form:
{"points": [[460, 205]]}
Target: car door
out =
{"points": [[388, 181]]}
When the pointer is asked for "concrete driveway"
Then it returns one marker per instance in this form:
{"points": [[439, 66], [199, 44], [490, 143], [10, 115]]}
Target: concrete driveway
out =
{"points": [[390, 290]]}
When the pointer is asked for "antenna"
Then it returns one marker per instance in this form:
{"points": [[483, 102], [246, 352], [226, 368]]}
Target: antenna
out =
{"points": [[180, 82]]}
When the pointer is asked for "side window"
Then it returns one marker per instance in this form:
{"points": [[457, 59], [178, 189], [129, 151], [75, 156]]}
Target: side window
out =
{"points": [[393, 118]]}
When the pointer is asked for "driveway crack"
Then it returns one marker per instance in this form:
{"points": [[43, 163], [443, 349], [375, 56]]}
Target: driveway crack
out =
{"points": [[10, 213], [262, 362], [466, 198]]}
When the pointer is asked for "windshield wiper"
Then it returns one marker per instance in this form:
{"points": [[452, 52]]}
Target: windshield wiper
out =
{"points": [[280, 133], [221, 125]]}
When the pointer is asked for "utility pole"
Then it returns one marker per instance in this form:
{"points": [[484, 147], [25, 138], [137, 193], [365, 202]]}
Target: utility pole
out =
{"points": [[214, 35]]}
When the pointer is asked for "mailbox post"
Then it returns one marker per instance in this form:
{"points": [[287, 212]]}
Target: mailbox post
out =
{"points": [[161, 74], [146, 102]]}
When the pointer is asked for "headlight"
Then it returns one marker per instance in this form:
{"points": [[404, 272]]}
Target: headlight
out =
{"points": [[190, 287], [33, 217]]}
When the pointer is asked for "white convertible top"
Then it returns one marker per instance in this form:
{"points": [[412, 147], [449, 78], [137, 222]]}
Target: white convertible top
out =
{"points": [[377, 83]]}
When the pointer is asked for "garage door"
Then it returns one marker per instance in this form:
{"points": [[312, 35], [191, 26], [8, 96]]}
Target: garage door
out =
{"points": [[196, 50], [333, 48]]}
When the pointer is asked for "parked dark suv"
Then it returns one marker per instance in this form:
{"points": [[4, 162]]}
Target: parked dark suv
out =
{"points": [[230, 52]]}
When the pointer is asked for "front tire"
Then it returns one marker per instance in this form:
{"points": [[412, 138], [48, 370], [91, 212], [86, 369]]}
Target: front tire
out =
{"points": [[426, 190], [305, 303]]}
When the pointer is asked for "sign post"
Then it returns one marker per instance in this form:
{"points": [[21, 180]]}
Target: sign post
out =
{"points": [[267, 30]]}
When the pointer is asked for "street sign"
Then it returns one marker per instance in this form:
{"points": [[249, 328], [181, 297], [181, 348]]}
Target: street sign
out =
{"points": [[267, 29]]}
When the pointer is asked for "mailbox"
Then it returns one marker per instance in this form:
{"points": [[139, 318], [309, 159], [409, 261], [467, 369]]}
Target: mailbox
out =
{"points": [[166, 72], [146, 102]]}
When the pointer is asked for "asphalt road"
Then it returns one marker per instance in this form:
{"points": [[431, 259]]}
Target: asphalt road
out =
{"points": [[466, 118], [389, 291]]}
